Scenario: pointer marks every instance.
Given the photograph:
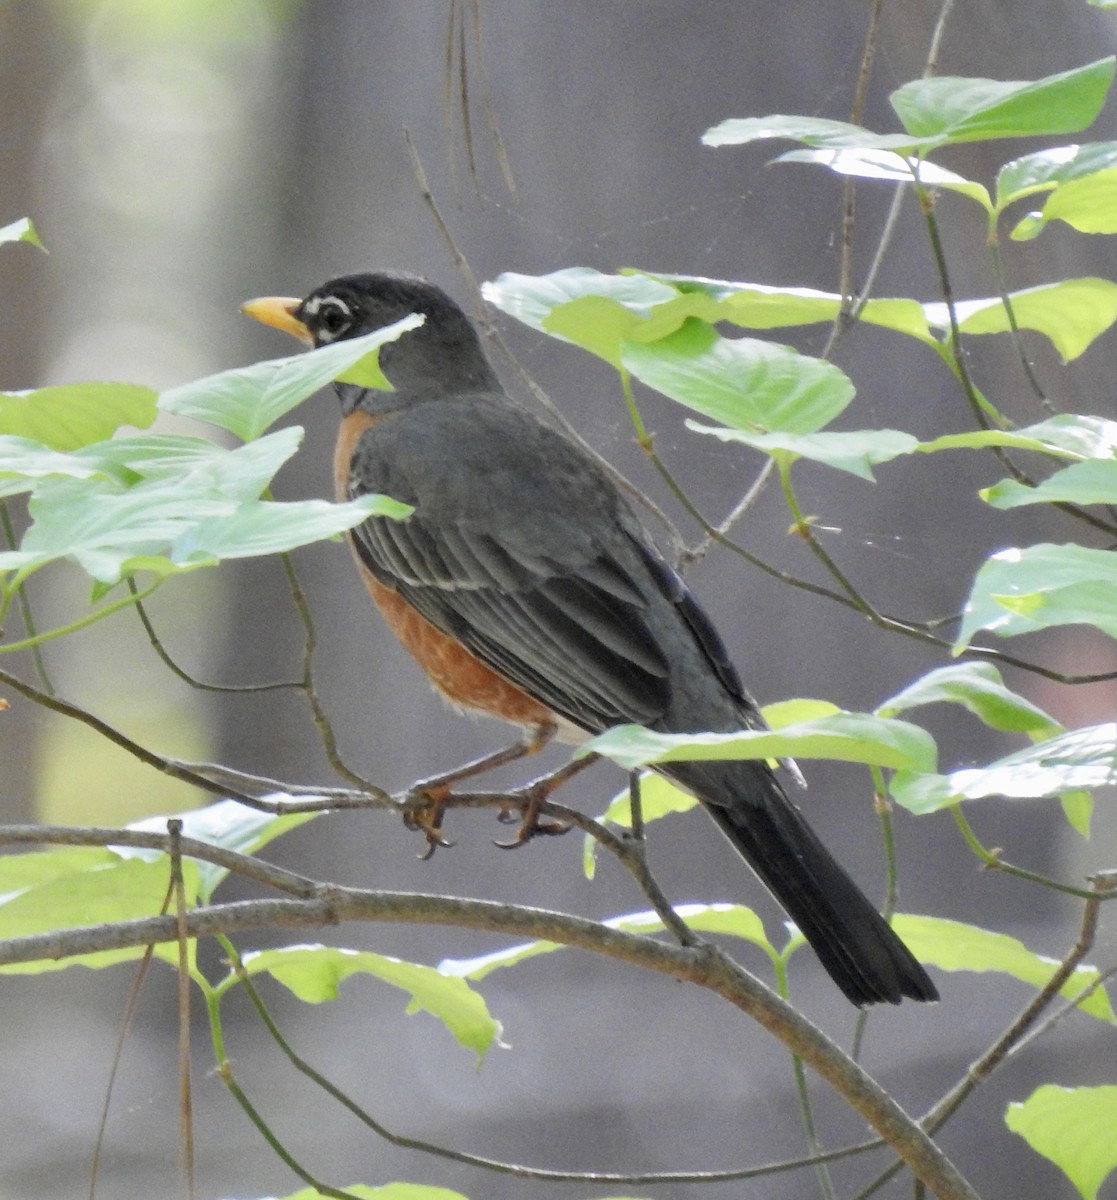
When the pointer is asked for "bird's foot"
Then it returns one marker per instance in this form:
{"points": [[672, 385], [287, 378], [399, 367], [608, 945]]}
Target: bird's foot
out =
{"points": [[528, 802], [423, 811], [525, 804]]}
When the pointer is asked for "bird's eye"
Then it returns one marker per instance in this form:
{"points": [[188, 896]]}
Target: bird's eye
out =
{"points": [[333, 319]]}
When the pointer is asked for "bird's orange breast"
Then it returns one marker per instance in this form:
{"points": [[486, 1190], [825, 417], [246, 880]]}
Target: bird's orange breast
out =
{"points": [[459, 675]]}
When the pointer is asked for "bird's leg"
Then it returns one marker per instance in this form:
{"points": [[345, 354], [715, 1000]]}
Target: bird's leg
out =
{"points": [[531, 798], [427, 800]]}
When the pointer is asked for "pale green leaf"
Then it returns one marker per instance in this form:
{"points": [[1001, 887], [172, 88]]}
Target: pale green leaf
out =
{"points": [[269, 527], [979, 688], [387, 1191], [248, 400], [955, 946], [1073, 1127], [1071, 313], [891, 167], [1047, 169], [1021, 590], [120, 891], [228, 824], [951, 109], [1088, 205], [64, 418], [1093, 482], [734, 920], [813, 131], [314, 974], [856, 452], [21, 231], [742, 382], [846, 737]]}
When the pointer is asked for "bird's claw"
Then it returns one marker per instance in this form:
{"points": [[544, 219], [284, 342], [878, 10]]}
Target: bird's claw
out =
{"points": [[531, 823], [423, 813]]}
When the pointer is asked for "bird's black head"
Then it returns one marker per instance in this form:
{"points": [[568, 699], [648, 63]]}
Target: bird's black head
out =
{"points": [[443, 356], [444, 352]]}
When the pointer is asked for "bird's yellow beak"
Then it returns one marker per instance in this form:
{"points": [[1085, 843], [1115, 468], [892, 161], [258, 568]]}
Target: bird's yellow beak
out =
{"points": [[279, 313]]}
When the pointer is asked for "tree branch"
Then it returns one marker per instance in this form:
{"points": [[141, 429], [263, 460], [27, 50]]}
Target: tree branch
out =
{"points": [[703, 965]]}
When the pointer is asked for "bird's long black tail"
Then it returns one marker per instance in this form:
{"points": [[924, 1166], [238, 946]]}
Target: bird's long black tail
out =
{"points": [[858, 948]]}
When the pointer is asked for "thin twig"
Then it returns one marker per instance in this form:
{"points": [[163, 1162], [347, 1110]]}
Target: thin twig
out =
{"points": [[185, 1092]]}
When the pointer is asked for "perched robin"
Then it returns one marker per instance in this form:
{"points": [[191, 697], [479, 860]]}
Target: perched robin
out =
{"points": [[526, 587]]}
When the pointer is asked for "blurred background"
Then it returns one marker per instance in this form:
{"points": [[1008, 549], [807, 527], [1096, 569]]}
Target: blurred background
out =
{"points": [[180, 156]]}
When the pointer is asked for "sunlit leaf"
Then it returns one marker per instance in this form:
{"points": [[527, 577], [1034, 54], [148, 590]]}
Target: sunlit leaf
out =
{"points": [[228, 824], [846, 737], [21, 231], [268, 527], [1092, 482], [955, 946], [1068, 763], [1071, 313], [891, 167], [951, 109], [1087, 205], [248, 400], [94, 895], [742, 382], [1021, 590], [64, 418], [734, 920], [1046, 169], [1073, 1127], [314, 974], [856, 452], [979, 688]]}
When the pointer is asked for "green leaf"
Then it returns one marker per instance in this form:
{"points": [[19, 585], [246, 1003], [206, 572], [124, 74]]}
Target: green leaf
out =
{"points": [[580, 305], [91, 895], [979, 688], [241, 473], [1083, 758], [1037, 587], [658, 798], [1092, 482], [762, 306], [247, 400], [1087, 205], [950, 109], [1064, 766], [24, 462], [99, 527], [891, 167], [314, 973], [813, 131], [227, 824], [64, 418], [955, 946], [1073, 1127], [1071, 313], [267, 527], [388, 1191], [846, 737], [855, 452], [21, 231], [734, 920], [1046, 169], [21, 871], [1069, 434], [744, 383]]}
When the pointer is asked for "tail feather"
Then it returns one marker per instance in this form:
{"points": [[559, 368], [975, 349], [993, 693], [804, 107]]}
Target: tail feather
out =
{"points": [[858, 948]]}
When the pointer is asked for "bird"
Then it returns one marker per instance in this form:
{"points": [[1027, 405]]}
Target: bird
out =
{"points": [[527, 588]]}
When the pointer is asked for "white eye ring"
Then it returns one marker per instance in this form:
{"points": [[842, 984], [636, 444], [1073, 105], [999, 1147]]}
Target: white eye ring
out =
{"points": [[331, 317]]}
